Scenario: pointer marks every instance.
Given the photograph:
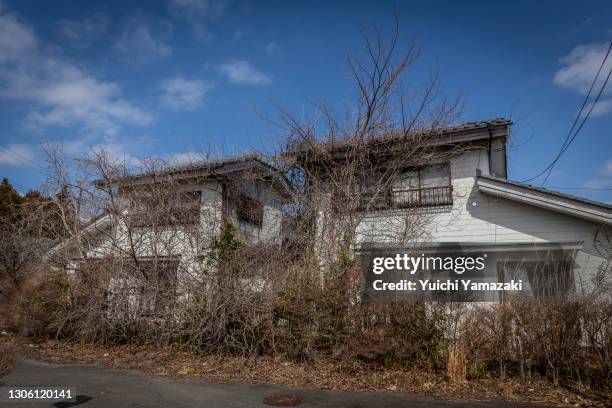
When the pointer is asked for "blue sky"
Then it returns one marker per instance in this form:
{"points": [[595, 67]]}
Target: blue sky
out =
{"points": [[177, 77]]}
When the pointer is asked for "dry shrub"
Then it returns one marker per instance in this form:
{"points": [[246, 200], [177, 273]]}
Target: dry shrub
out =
{"points": [[287, 312], [565, 340], [62, 308]]}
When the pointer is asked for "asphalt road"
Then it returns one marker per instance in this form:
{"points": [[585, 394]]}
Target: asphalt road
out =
{"points": [[102, 387]]}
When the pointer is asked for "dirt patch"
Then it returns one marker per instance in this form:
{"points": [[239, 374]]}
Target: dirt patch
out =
{"points": [[324, 375]]}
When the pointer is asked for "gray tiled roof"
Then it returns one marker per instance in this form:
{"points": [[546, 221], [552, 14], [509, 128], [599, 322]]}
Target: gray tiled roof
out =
{"points": [[437, 136], [206, 166], [481, 124], [205, 169]]}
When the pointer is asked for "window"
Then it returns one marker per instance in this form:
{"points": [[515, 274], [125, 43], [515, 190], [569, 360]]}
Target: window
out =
{"points": [[373, 192], [405, 188], [187, 208], [424, 186], [166, 209], [414, 187], [547, 278], [249, 210]]}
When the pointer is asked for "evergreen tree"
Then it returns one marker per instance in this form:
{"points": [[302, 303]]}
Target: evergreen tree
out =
{"points": [[10, 200]]}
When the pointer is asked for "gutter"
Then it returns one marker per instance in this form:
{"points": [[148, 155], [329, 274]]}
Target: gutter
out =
{"points": [[490, 129]]}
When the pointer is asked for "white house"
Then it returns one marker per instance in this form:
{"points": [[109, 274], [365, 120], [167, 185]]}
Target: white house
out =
{"points": [[161, 224], [465, 199], [462, 198]]}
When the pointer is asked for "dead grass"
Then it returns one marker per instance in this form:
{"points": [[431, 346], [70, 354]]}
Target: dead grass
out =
{"points": [[324, 375]]}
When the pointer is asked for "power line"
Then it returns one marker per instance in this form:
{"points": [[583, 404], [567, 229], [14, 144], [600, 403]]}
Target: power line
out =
{"points": [[580, 127], [569, 138], [20, 158]]}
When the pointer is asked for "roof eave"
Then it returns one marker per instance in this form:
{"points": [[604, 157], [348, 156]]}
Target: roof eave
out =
{"points": [[580, 208]]}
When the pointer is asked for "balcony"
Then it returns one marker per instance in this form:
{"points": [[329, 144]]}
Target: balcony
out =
{"points": [[406, 198], [423, 197]]}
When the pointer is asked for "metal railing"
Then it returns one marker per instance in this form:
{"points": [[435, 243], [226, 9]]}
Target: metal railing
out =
{"points": [[423, 197], [407, 198]]}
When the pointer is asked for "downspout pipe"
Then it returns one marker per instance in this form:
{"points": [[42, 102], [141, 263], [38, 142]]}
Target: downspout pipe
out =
{"points": [[490, 128]]}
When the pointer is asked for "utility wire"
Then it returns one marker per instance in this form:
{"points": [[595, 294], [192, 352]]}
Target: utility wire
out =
{"points": [[580, 127], [20, 158], [569, 138]]}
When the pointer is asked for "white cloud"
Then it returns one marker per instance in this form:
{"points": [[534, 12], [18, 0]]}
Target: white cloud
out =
{"points": [[176, 159], [202, 8], [596, 184], [242, 72], [18, 154], [84, 31], [140, 43], [608, 168], [57, 91], [603, 107], [179, 94], [121, 151], [239, 33], [199, 13], [605, 181], [580, 67], [118, 149], [15, 38]]}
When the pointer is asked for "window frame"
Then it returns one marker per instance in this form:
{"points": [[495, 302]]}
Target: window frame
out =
{"points": [[249, 210], [189, 203]]}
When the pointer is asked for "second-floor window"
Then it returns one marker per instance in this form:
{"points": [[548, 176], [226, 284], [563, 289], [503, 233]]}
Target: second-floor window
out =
{"points": [[423, 186], [249, 210], [166, 209]]}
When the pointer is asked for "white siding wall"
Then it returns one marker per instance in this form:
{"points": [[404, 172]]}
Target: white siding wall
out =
{"points": [[188, 245], [477, 217]]}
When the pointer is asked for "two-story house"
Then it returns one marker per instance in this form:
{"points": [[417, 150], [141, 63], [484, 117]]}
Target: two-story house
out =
{"points": [[463, 198], [160, 224]]}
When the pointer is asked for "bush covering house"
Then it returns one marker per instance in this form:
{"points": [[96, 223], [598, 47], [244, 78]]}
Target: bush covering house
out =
{"points": [[458, 193]]}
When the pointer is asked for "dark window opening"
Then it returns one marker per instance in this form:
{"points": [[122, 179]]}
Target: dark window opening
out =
{"points": [[249, 210]]}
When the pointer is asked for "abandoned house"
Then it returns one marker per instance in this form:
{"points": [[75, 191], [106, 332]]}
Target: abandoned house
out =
{"points": [[460, 195], [161, 224]]}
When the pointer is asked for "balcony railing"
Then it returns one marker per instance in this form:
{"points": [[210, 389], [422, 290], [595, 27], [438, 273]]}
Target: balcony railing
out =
{"points": [[423, 197], [406, 198]]}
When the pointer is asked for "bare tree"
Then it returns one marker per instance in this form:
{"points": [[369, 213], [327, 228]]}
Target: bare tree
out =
{"points": [[345, 164]]}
